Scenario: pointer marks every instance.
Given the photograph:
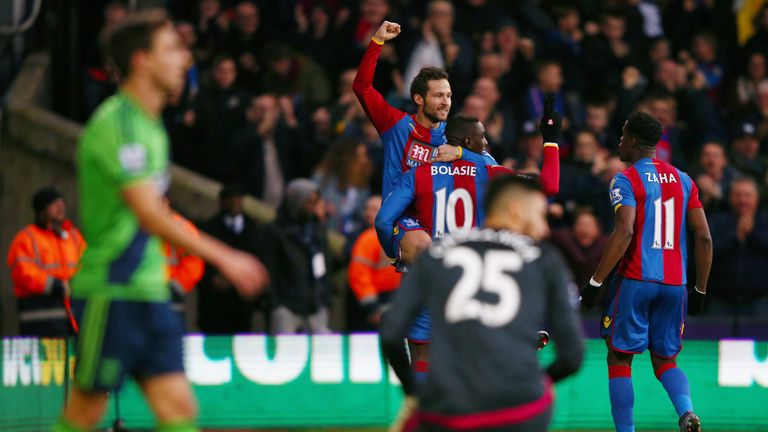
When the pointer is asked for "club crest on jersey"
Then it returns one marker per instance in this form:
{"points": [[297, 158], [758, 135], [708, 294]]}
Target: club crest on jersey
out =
{"points": [[616, 196], [409, 223], [419, 153], [607, 321], [660, 178]]}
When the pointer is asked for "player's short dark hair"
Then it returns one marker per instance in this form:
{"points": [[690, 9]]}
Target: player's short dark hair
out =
{"points": [[504, 185], [644, 128], [135, 33], [458, 128], [420, 84]]}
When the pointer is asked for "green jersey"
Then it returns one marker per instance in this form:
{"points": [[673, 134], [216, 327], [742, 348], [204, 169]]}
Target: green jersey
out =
{"points": [[120, 146]]}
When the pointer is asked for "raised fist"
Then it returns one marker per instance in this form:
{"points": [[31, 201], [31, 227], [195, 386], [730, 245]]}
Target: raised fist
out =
{"points": [[387, 31]]}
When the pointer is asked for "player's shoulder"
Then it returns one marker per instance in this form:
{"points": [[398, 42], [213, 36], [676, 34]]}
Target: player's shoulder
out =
{"points": [[110, 118], [481, 240]]}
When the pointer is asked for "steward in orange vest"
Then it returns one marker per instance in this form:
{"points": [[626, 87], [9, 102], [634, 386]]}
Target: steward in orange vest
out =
{"points": [[42, 258]]}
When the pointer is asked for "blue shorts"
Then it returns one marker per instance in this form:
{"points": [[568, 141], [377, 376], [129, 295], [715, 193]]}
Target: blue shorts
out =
{"points": [[421, 330], [118, 337], [640, 315]]}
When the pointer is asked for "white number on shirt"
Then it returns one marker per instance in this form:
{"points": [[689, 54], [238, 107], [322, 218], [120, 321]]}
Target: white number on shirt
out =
{"points": [[447, 216]]}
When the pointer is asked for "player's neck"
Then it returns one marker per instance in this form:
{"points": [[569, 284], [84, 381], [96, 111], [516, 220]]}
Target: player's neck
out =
{"points": [[425, 121], [644, 155], [501, 223], [147, 95]]}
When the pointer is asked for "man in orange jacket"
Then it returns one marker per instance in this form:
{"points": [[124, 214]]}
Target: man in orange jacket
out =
{"points": [[184, 270], [42, 258], [371, 276]]}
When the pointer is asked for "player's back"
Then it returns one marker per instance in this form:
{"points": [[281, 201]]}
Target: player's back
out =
{"points": [[489, 293], [449, 196], [662, 195]]}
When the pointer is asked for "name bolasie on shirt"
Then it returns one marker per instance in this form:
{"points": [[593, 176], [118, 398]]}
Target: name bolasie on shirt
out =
{"points": [[464, 170], [660, 178]]}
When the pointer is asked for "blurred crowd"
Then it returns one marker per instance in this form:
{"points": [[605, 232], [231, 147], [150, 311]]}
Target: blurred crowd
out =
{"points": [[268, 108]]}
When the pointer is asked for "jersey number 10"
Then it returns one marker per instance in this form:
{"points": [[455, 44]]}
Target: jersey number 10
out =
{"points": [[445, 211], [668, 212]]}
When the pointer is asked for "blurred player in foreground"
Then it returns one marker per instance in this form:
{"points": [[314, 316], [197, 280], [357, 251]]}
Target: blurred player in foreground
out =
{"points": [[121, 294], [488, 291], [645, 307]]}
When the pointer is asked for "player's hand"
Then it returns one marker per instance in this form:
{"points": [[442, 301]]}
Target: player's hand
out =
{"points": [[551, 122], [387, 31], [447, 153], [588, 294], [696, 301], [245, 272]]}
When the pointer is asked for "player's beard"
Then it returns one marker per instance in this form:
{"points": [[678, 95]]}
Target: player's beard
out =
{"points": [[432, 115]]}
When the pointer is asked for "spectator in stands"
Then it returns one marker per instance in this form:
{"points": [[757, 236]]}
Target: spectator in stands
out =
{"points": [[499, 122], [371, 277], [713, 177], [745, 152], [704, 51], [211, 24], [579, 181], [582, 244], [220, 309], [740, 260], [441, 46], [597, 116], [189, 38], [344, 177], [549, 82], [221, 112], [264, 151], [315, 36], [608, 52], [244, 42], [671, 146], [42, 258], [298, 260], [565, 44], [295, 75], [517, 55], [742, 97]]}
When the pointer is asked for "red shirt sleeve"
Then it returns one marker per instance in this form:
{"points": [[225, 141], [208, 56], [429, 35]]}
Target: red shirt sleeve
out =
{"points": [[550, 170], [693, 200], [382, 115]]}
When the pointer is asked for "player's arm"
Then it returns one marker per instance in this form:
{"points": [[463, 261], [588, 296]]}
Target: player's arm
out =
{"points": [[382, 115], [702, 250], [245, 272], [623, 201], [563, 319], [399, 317], [392, 208], [550, 127]]}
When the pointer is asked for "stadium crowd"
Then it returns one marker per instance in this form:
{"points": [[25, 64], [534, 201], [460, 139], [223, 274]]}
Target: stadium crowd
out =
{"points": [[269, 110]]}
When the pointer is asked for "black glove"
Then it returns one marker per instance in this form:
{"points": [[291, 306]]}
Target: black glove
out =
{"points": [[588, 294], [695, 302], [551, 123]]}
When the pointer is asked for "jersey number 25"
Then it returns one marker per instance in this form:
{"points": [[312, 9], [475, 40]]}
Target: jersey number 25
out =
{"points": [[488, 273]]}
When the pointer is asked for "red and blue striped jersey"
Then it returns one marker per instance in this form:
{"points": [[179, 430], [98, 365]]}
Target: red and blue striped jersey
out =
{"points": [[407, 144], [447, 197], [662, 196]]}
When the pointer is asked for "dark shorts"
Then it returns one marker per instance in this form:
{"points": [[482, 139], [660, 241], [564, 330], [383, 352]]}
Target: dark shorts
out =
{"points": [[643, 315], [119, 338]]}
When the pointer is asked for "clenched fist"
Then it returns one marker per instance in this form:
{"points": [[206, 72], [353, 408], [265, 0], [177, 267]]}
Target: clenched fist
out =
{"points": [[387, 31]]}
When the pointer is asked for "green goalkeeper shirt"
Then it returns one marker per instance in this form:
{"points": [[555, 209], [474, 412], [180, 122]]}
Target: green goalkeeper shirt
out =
{"points": [[121, 145]]}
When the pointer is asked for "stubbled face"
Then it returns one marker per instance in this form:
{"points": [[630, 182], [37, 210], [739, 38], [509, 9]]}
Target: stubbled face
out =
{"points": [[437, 103], [167, 60]]}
